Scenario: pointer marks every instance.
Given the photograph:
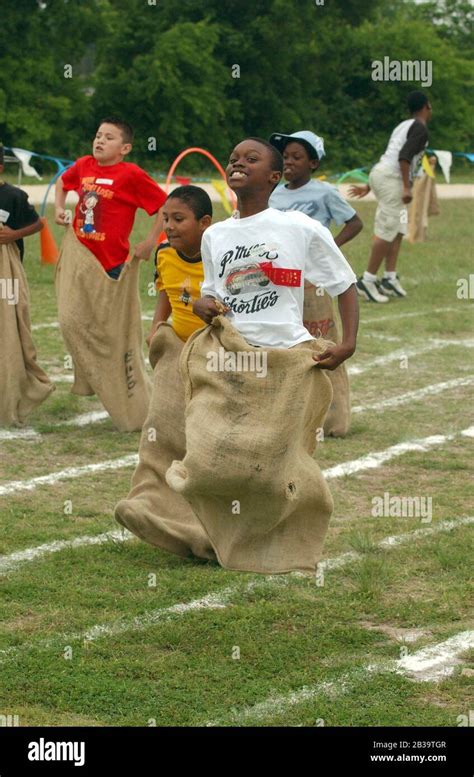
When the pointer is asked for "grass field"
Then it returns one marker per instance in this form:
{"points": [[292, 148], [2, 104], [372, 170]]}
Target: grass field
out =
{"points": [[91, 635]]}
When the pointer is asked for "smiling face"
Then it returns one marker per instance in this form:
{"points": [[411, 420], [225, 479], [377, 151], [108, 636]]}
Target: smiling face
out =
{"points": [[297, 165], [184, 231], [250, 168], [108, 147]]}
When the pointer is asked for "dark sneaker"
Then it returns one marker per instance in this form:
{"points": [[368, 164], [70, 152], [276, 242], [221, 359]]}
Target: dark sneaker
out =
{"points": [[392, 288]]}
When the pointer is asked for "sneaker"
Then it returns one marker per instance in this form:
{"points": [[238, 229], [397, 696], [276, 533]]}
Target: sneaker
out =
{"points": [[392, 288], [368, 290]]}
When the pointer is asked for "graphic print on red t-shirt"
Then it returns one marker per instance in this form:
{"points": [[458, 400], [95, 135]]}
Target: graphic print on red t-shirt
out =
{"points": [[109, 196]]}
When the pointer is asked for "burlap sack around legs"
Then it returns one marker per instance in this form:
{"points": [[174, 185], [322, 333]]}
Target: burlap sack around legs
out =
{"points": [[152, 510], [23, 384], [249, 472], [319, 319], [100, 320]]}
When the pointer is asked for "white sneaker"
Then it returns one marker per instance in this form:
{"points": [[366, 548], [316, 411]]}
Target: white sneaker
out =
{"points": [[368, 290], [392, 288]]}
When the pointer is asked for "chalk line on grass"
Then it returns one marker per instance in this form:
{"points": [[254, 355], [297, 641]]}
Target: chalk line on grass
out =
{"points": [[50, 325], [394, 316], [407, 353], [19, 434], [215, 600], [62, 378], [430, 664], [370, 461], [20, 557], [377, 458], [84, 419], [66, 474], [427, 391]]}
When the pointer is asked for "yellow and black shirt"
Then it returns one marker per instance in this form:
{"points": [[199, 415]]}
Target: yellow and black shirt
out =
{"points": [[181, 278]]}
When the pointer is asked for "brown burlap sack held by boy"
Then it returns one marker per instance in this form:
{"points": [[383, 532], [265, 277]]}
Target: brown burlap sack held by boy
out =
{"points": [[100, 320], [320, 320], [249, 472], [23, 384], [152, 510]]}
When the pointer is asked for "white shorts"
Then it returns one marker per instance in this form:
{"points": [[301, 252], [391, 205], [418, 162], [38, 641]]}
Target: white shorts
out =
{"points": [[391, 216]]}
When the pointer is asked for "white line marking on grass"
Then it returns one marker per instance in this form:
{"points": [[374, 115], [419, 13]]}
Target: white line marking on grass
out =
{"points": [[19, 434], [51, 325], [436, 661], [371, 461], [67, 474], [377, 458], [393, 541], [14, 560], [432, 663], [84, 419], [426, 391], [378, 336], [412, 315], [408, 353], [62, 378], [218, 599]]}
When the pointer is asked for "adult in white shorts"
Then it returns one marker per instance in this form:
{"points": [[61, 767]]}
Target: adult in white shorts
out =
{"points": [[391, 181]]}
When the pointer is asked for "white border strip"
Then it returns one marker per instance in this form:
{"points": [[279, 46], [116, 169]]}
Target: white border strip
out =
{"points": [[20, 557], [415, 313], [19, 434], [66, 474], [427, 391], [407, 353], [376, 459]]}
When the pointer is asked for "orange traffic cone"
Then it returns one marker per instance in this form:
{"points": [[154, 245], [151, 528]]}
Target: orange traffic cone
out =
{"points": [[49, 249]]}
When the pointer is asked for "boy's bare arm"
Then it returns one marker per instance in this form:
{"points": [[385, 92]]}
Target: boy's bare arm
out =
{"points": [[405, 171], [61, 217], [334, 355], [8, 235], [162, 313], [350, 229], [143, 250]]}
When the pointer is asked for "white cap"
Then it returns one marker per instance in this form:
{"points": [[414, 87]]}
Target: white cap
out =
{"points": [[317, 144]]}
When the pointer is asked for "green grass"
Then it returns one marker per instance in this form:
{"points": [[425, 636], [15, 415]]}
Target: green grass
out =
{"points": [[291, 633]]}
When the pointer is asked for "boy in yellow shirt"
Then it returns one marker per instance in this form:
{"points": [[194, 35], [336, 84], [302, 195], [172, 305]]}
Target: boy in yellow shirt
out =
{"points": [[187, 213]]}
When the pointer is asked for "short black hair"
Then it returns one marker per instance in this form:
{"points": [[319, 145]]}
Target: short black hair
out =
{"points": [[416, 101], [277, 159], [125, 128], [195, 198]]}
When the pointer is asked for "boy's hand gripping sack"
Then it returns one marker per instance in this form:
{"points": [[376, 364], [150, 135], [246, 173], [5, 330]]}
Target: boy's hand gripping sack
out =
{"points": [[100, 320], [320, 321], [252, 416], [23, 384], [152, 510]]}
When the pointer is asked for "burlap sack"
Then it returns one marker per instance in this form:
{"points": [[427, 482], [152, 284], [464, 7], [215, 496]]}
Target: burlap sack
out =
{"points": [[320, 320], [100, 320], [23, 384], [152, 510], [423, 205], [249, 472]]}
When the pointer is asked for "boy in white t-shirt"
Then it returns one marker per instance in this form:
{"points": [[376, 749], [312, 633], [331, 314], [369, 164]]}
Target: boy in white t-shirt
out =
{"points": [[255, 265]]}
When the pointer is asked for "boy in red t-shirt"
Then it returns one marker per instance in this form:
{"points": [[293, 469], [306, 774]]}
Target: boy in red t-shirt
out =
{"points": [[110, 191]]}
